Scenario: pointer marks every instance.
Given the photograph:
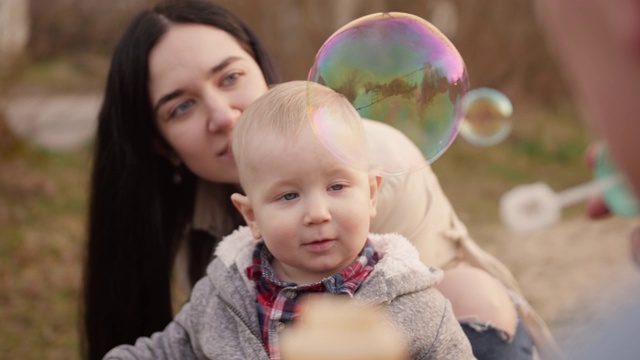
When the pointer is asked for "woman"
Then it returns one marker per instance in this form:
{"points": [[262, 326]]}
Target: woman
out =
{"points": [[163, 175]]}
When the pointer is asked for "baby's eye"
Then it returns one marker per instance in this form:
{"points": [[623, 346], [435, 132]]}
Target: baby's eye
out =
{"points": [[181, 108], [289, 196], [336, 187]]}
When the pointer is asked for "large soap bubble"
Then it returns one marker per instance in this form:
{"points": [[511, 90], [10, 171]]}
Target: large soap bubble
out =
{"points": [[487, 117], [398, 69]]}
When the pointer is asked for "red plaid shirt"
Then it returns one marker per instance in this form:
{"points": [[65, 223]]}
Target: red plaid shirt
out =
{"points": [[277, 300]]}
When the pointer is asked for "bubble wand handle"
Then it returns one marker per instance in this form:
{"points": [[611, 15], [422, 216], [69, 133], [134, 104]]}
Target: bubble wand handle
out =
{"points": [[533, 207], [582, 192]]}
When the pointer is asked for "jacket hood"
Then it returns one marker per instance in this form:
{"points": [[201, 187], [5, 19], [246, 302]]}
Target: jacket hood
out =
{"points": [[399, 260]]}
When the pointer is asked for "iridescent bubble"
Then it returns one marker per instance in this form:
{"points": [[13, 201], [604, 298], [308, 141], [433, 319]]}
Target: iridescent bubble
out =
{"points": [[346, 140], [487, 117], [398, 69]]}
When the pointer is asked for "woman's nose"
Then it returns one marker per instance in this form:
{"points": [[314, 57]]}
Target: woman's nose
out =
{"points": [[221, 114], [317, 211]]}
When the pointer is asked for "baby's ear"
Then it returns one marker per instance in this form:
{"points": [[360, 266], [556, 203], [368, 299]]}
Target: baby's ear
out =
{"points": [[375, 182], [242, 203]]}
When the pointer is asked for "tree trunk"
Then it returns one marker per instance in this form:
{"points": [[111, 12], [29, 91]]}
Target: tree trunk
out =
{"points": [[14, 30]]}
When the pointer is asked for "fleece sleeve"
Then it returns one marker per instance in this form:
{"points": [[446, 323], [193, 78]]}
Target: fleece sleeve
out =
{"points": [[450, 342], [428, 322]]}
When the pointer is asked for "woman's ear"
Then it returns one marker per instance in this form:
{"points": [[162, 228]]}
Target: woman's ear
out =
{"points": [[375, 182], [161, 147], [242, 203]]}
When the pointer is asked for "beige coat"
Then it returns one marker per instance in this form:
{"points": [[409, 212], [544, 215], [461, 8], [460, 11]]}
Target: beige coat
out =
{"points": [[414, 205]]}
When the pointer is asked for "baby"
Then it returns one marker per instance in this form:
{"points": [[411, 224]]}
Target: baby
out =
{"points": [[302, 158]]}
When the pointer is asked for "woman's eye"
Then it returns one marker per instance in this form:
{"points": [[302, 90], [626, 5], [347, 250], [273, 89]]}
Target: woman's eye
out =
{"points": [[289, 196], [181, 108], [336, 187], [231, 79]]}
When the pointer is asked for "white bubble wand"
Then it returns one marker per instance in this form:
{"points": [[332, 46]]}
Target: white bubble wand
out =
{"points": [[533, 207]]}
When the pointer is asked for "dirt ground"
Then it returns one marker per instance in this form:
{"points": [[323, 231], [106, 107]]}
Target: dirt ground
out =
{"points": [[570, 273]]}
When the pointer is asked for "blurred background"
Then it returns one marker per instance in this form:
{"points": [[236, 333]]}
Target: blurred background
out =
{"points": [[54, 56]]}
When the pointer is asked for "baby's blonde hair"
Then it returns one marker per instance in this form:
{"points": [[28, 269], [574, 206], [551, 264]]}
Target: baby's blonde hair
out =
{"points": [[286, 109]]}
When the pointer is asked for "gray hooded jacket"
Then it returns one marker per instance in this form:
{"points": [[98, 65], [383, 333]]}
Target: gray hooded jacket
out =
{"points": [[221, 320]]}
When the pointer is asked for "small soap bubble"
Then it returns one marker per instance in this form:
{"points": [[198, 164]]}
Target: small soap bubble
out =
{"points": [[398, 69], [487, 117]]}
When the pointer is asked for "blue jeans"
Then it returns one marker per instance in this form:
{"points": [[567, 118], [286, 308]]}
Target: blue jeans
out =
{"points": [[489, 343]]}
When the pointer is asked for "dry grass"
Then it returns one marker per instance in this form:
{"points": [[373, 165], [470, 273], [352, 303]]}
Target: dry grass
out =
{"points": [[42, 205]]}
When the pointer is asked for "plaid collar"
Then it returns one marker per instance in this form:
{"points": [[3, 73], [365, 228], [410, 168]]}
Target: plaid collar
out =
{"points": [[277, 300]]}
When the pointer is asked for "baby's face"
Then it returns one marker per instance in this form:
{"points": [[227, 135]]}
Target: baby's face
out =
{"points": [[312, 210]]}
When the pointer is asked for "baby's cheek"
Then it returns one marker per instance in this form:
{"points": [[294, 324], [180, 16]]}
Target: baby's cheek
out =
{"points": [[281, 228], [359, 222]]}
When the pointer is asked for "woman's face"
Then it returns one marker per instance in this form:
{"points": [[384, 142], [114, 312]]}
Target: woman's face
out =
{"points": [[200, 81]]}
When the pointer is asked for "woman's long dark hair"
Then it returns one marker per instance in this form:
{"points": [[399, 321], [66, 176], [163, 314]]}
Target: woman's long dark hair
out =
{"points": [[137, 215]]}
